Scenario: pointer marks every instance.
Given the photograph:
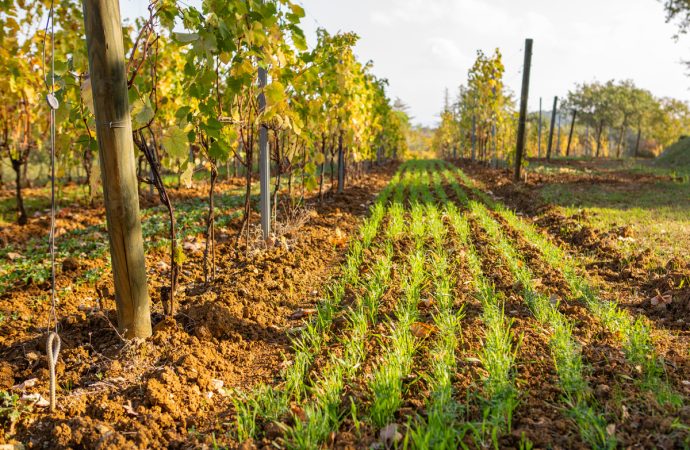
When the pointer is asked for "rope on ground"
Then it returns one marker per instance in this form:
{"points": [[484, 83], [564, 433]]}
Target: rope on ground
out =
{"points": [[53, 350]]}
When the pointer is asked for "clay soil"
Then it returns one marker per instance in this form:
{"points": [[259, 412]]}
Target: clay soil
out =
{"points": [[175, 389]]}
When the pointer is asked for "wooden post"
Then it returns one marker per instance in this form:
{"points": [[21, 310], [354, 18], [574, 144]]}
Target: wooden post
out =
{"points": [[558, 135], [520, 147], [553, 123], [264, 163], [570, 135], [114, 130], [539, 132]]}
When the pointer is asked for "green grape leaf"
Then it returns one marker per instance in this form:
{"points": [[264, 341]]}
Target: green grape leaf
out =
{"points": [[142, 113], [297, 10], [175, 142], [275, 92], [219, 151], [186, 38]]}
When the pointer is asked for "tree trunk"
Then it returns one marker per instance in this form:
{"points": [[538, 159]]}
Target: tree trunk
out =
{"points": [[278, 179], [323, 166], [211, 230], [332, 164], [151, 154], [341, 165], [88, 166], [600, 130], [637, 142], [620, 141], [25, 169], [474, 137], [22, 218]]}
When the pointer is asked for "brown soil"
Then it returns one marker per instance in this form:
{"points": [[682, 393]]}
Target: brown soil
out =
{"points": [[171, 390]]}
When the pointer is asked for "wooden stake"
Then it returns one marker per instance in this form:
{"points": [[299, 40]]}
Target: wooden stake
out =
{"points": [[570, 135], [558, 138], [520, 147], [553, 123], [114, 130]]}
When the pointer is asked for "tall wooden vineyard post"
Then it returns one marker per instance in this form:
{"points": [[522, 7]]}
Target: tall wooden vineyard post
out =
{"points": [[553, 124], [524, 96], [116, 149], [570, 135]]}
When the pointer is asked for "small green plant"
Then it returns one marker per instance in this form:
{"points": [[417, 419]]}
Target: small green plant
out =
{"points": [[265, 402], [11, 410]]}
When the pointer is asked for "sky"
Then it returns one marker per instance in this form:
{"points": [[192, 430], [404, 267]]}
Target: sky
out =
{"points": [[425, 46]]}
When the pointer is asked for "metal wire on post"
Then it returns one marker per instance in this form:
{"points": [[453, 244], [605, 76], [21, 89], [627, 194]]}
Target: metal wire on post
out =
{"points": [[53, 342]]}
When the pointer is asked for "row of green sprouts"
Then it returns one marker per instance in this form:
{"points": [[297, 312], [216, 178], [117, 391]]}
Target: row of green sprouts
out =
{"points": [[634, 333], [267, 403], [409, 250], [322, 394]]}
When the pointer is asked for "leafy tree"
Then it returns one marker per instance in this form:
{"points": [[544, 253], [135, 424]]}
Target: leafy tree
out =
{"points": [[483, 116], [678, 11]]}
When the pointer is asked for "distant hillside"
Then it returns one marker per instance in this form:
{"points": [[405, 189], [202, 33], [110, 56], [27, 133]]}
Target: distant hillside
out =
{"points": [[677, 155]]}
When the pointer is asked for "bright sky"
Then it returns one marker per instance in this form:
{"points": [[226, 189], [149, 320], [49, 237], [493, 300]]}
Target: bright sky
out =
{"points": [[425, 46]]}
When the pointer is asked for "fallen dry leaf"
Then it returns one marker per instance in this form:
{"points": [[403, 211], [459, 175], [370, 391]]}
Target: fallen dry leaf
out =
{"points": [[422, 330], [35, 399], [128, 408], [426, 302], [191, 246], [298, 411], [31, 382], [13, 255], [338, 238], [661, 299], [390, 434], [302, 312]]}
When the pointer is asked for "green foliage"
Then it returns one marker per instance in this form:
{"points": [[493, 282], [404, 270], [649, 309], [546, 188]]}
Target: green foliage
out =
{"points": [[11, 409], [622, 106], [483, 114]]}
